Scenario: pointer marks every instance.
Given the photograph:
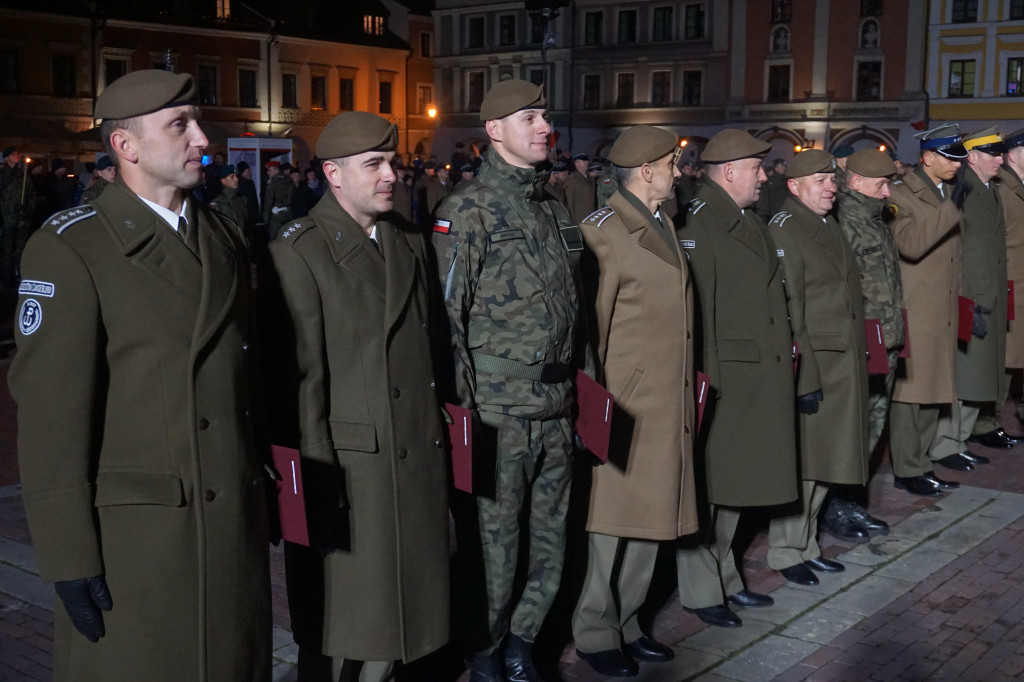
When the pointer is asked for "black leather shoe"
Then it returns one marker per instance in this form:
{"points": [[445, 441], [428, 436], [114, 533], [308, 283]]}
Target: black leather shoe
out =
{"points": [[485, 668], [719, 615], [611, 663], [998, 439], [646, 649], [955, 462], [868, 523], [800, 574], [918, 485], [825, 565], [973, 458], [835, 520], [939, 483], [519, 661], [750, 600]]}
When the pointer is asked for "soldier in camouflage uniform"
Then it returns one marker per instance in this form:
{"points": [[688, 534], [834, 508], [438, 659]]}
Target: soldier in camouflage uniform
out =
{"points": [[103, 175], [229, 202], [277, 199], [861, 201], [17, 199], [607, 185], [505, 251]]}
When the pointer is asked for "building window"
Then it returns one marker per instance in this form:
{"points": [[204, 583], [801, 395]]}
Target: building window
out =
{"points": [[871, 8], [424, 98], [114, 68], [624, 90], [1016, 9], [63, 67], [476, 32], [507, 30], [593, 28], [385, 98], [662, 24], [661, 88], [964, 11], [223, 9], [592, 91], [289, 91], [347, 89], [538, 26], [869, 35], [373, 25], [537, 76], [318, 92], [426, 44], [778, 83], [869, 81], [780, 40], [8, 71], [961, 78], [694, 27], [782, 11], [247, 88], [474, 90], [627, 26], [206, 83], [1015, 76], [692, 81]]}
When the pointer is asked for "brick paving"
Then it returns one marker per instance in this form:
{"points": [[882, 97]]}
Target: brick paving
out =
{"points": [[942, 598]]}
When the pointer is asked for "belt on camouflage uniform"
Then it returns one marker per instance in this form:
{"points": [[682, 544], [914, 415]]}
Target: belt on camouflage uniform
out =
{"points": [[554, 373]]}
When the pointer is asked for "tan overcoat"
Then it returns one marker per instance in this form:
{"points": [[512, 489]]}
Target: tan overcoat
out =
{"points": [[134, 442], [746, 349], [356, 331], [927, 232], [643, 318], [826, 312], [1011, 194]]}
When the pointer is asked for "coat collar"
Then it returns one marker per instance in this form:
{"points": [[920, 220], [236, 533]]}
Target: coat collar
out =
{"points": [[921, 185], [1011, 180], [731, 218], [824, 233], [648, 235], [349, 244]]}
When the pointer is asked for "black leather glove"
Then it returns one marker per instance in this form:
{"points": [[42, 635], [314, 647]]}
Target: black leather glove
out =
{"points": [[978, 325], [83, 600], [808, 404], [578, 446]]}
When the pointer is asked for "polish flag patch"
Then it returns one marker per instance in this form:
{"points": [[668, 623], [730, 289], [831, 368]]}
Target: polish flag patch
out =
{"points": [[442, 226]]}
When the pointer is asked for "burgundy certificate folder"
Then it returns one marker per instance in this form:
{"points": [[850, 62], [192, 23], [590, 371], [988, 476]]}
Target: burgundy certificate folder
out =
{"points": [[594, 424], [291, 502]]}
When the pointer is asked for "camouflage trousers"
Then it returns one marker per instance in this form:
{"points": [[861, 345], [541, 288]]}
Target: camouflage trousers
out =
{"points": [[493, 594], [879, 392]]}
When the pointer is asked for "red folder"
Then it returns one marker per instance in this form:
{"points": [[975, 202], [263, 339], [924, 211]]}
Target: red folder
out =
{"points": [[291, 503], [1011, 313], [460, 440], [878, 362], [905, 352], [966, 318], [594, 423], [701, 389]]}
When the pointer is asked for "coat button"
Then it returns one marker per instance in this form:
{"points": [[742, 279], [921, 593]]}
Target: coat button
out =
{"points": [[771, 320], [395, 392], [438, 443], [203, 424], [403, 453], [686, 382], [778, 358], [210, 495], [686, 429]]}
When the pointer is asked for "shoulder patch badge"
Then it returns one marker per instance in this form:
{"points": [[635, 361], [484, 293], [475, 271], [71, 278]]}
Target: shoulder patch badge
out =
{"points": [[442, 226], [34, 288], [30, 316], [572, 238], [62, 220], [688, 243]]}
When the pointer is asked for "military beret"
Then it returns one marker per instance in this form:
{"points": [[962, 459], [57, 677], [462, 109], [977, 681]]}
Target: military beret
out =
{"points": [[226, 170], [1014, 139], [467, 168], [871, 163], [10, 150], [731, 145], [580, 157], [809, 162], [104, 163], [143, 92], [509, 96], [559, 167], [843, 151], [355, 132], [987, 141], [642, 144], [242, 167]]}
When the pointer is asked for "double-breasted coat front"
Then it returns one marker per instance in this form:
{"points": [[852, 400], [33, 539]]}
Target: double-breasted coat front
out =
{"points": [[1011, 196]]}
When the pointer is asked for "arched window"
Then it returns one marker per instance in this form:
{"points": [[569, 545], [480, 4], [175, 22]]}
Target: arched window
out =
{"points": [[780, 39], [869, 35]]}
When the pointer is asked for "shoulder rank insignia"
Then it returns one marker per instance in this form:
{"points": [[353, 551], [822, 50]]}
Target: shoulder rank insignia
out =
{"points": [[62, 220], [780, 218], [599, 216], [696, 205]]}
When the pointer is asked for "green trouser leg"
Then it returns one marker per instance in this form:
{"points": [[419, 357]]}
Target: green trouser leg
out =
{"points": [[880, 392], [953, 429], [793, 538], [315, 667], [706, 570], [911, 431]]}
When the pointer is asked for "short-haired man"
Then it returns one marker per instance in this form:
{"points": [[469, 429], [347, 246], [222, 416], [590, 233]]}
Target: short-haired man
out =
{"points": [[826, 312], [229, 202], [373, 589], [142, 490], [643, 317], [773, 192], [277, 198], [103, 175], [505, 253]]}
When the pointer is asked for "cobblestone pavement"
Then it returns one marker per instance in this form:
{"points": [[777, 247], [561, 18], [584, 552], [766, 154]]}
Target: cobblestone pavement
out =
{"points": [[940, 598]]}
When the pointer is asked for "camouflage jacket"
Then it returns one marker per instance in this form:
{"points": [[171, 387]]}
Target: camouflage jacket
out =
{"points": [[232, 204], [278, 195], [860, 218], [607, 185], [17, 196], [90, 193], [507, 276]]}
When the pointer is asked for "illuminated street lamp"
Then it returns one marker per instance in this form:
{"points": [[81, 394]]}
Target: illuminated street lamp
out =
{"points": [[431, 111]]}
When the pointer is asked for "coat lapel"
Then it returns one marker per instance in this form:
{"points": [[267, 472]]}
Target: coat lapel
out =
{"points": [[647, 235], [401, 267], [220, 276], [350, 246]]}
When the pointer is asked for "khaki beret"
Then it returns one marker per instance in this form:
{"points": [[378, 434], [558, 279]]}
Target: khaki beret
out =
{"points": [[810, 162], [732, 144], [642, 144], [355, 132], [871, 163], [509, 96], [143, 92]]}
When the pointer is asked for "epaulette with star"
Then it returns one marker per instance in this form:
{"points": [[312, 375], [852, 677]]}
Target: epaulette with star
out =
{"points": [[696, 204], [780, 219], [295, 229], [62, 220], [599, 216]]}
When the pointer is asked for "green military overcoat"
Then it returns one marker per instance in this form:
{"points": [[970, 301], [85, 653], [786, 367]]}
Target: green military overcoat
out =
{"points": [[1011, 196], [927, 231], [825, 308], [355, 328], [746, 350], [135, 445], [980, 364], [643, 317], [580, 196]]}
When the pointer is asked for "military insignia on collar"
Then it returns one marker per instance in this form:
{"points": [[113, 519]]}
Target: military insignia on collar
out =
{"points": [[290, 231], [30, 316], [129, 224], [34, 288], [688, 243], [442, 226], [696, 205], [338, 236], [780, 253]]}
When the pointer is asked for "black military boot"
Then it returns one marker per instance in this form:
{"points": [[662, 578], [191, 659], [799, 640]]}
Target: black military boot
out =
{"points": [[485, 668], [519, 661]]}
